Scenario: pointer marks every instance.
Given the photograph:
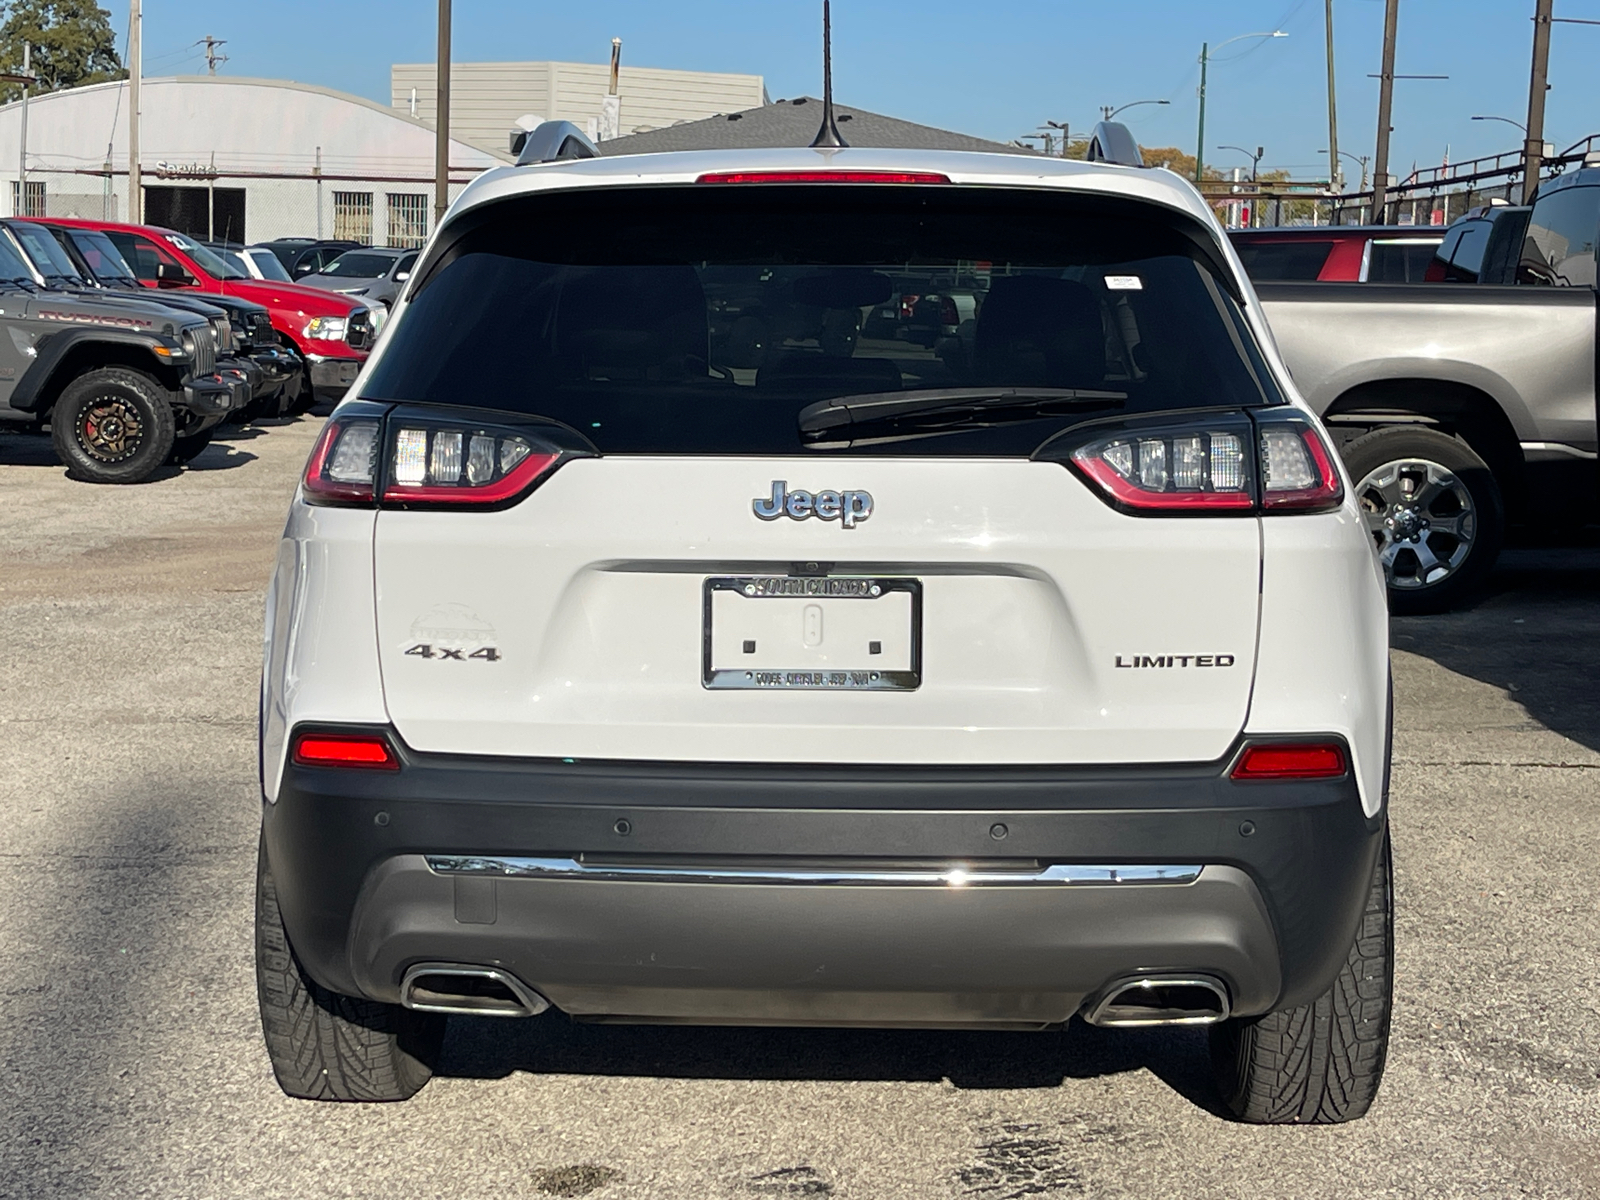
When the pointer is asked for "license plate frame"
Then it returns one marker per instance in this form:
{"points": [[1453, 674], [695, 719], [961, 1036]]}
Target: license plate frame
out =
{"points": [[860, 589]]}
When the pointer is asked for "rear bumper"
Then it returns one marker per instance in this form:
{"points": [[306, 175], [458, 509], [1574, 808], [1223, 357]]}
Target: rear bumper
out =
{"points": [[1271, 913]]}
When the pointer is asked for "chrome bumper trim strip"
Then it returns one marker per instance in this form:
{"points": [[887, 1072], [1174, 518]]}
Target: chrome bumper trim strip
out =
{"points": [[952, 875], [1558, 449]]}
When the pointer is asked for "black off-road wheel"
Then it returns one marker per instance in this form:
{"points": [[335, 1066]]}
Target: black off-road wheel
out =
{"points": [[112, 425], [1321, 1063], [325, 1046], [1434, 512], [185, 448]]}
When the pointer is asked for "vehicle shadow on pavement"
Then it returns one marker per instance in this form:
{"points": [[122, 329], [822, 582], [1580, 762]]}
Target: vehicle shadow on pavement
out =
{"points": [[553, 1044], [1534, 632], [219, 456]]}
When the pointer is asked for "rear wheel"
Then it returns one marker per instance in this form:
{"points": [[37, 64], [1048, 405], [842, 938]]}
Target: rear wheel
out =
{"points": [[1321, 1063], [1434, 511], [325, 1046], [112, 425]]}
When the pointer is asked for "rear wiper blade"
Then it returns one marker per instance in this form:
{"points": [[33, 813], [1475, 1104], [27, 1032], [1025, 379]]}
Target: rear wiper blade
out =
{"points": [[886, 416]]}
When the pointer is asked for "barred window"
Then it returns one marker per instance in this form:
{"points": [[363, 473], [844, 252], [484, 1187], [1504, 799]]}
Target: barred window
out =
{"points": [[408, 219], [34, 204], [352, 217]]}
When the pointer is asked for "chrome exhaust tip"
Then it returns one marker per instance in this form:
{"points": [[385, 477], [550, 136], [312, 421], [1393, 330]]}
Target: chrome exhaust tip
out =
{"points": [[468, 991], [1160, 1000]]}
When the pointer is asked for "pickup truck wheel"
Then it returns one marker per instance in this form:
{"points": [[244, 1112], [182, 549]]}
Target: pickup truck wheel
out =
{"points": [[185, 448], [325, 1046], [1434, 511], [1321, 1063], [112, 425]]}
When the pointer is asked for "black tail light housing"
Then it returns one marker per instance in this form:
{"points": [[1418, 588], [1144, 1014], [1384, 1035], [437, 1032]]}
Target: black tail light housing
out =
{"points": [[1216, 463], [422, 457]]}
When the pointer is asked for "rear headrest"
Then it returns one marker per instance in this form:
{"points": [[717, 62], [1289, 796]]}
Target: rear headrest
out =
{"points": [[632, 323], [1039, 332]]}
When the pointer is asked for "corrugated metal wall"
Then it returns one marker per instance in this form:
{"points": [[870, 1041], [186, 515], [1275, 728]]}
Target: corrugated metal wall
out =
{"points": [[487, 98]]}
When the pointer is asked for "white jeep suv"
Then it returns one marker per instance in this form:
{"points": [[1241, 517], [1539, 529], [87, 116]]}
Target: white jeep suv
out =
{"points": [[650, 643]]}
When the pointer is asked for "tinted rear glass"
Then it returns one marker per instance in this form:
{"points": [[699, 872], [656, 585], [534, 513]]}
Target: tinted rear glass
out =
{"points": [[1282, 262], [701, 319], [1400, 262], [1464, 258], [359, 266]]}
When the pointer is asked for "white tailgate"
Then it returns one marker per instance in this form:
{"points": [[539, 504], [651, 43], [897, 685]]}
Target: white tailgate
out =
{"points": [[575, 623]]}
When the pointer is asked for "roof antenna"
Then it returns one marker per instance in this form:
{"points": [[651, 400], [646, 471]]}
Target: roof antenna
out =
{"points": [[828, 136]]}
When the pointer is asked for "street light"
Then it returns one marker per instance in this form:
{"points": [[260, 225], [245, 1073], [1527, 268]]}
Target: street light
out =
{"points": [[1508, 121], [1062, 126], [1108, 113], [1360, 162], [1205, 58], [1255, 159]]}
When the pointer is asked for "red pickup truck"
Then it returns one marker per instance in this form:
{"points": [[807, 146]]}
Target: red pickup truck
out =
{"points": [[332, 333]]}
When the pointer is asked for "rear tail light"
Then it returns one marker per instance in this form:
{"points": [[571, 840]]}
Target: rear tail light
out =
{"points": [[947, 312], [1297, 471], [908, 305], [344, 462], [369, 751], [1275, 463], [1173, 470], [1309, 760], [412, 459], [462, 465]]}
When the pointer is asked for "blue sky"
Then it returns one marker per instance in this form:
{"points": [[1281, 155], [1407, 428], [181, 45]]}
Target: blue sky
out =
{"points": [[995, 68]]}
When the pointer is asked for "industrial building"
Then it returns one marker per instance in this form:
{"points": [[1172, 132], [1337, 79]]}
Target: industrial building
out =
{"points": [[487, 100], [244, 159]]}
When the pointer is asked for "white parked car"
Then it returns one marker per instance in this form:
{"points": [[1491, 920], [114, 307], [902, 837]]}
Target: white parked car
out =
{"points": [[1034, 675]]}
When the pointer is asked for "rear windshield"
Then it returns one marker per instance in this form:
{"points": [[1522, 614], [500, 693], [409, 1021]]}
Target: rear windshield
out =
{"points": [[359, 266], [702, 319], [1282, 262], [1400, 262]]}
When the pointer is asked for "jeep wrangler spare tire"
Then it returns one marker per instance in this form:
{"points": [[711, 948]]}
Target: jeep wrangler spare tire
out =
{"points": [[112, 425]]}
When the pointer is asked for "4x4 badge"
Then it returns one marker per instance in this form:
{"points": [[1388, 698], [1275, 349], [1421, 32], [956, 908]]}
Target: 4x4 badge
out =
{"points": [[848, 508]]}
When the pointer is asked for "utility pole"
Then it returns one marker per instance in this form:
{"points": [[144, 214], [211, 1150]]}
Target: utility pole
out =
{"points": [[1333, 111], [1200, 144], [441, 137], [212, 57], [135, 68], [1533, 148], [1380, 166], [22, 159]]}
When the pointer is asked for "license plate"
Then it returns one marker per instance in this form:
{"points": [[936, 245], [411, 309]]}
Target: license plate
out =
{"points": [[817, 633]]}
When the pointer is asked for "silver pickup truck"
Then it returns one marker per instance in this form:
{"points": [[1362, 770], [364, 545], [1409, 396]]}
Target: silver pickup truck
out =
{"points": [[1459, 407]]}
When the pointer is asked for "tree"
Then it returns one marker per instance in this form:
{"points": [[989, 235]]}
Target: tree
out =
{"points": [[72, 44]]}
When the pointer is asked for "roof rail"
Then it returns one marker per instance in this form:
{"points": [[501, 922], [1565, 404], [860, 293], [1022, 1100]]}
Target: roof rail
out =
{"points": [[551, 141], [1113, 142]]}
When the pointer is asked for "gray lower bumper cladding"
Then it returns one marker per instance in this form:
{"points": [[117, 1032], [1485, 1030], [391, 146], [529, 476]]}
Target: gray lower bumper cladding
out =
{"points": [[782, 894]]}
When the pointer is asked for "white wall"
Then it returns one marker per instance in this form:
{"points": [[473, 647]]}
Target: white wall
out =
{"points": [[486, 98]]}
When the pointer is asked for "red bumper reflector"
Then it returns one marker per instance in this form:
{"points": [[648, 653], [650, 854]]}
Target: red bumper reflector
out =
{"points": [[371, 751], [1319, 760], [823, 177]]}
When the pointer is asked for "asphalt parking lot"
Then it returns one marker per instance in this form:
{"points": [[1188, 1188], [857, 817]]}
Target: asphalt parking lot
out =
{"points": [[130, 1057]]}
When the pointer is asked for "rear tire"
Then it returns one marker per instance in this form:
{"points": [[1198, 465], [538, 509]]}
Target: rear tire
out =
{"points": [[325, 1046], [1434, 511], [112, 425], [1321, 1063]]}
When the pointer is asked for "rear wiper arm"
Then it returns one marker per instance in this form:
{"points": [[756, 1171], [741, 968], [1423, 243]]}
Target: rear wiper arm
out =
{"points": [[847, 419]]}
